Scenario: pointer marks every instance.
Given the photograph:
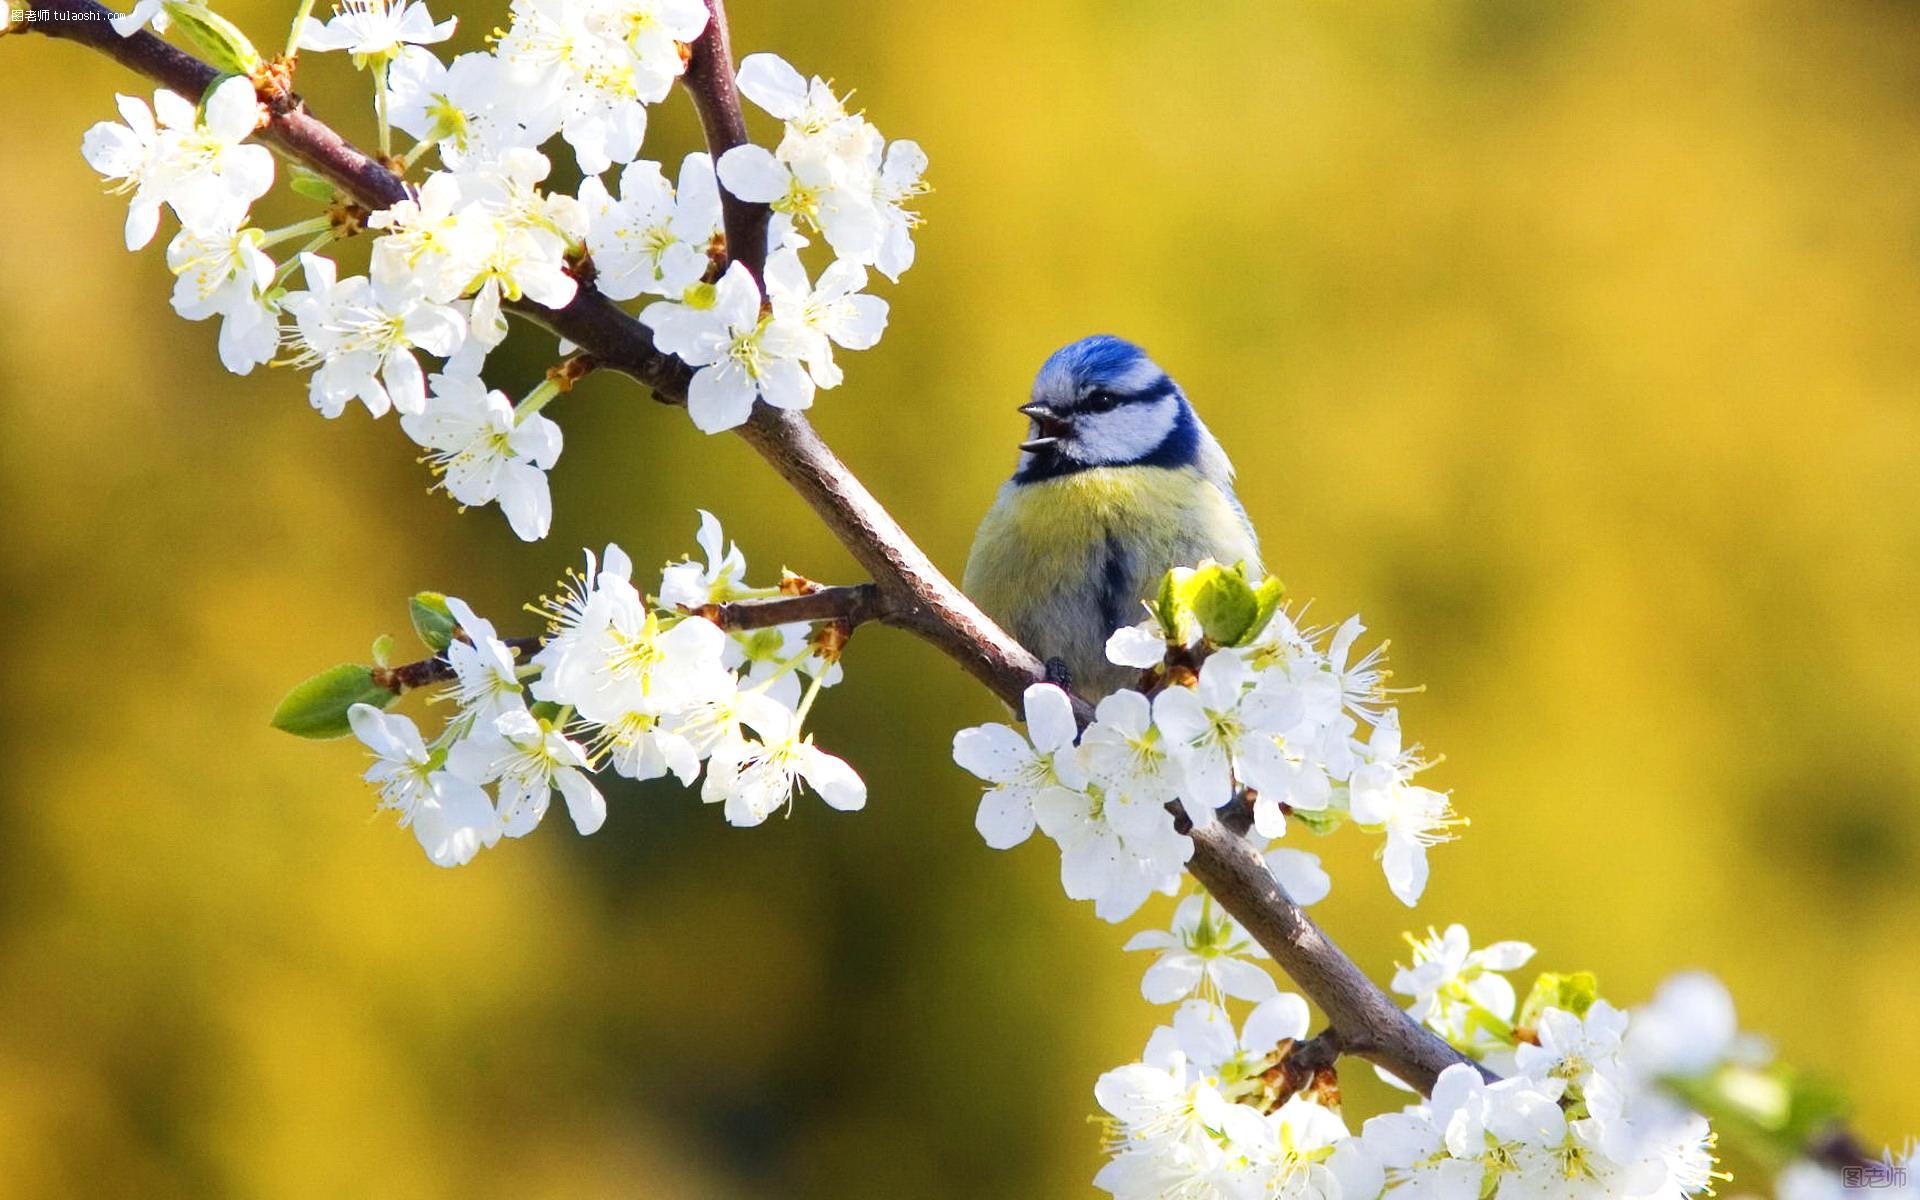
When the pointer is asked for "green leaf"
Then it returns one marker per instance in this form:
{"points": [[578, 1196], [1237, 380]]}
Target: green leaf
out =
{"points": [[1575, 993], [1771, 1113], [1166, 603], [1224, 603], [220, 39], [545, 710], [318, 707], [1322, 822], [383, 650], [1267, 599], [309, 184], [432, 620]]}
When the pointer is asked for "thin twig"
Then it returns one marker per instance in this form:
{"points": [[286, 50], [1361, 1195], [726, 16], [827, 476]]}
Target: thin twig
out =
{"points": [[428, 671], [1308, 1064], [852, 606]]}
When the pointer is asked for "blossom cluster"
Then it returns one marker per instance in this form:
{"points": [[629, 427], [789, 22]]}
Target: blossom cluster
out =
{"points": [[1217, 1109], [1627, 1091], [1463, 994], [482, 231], [1289, 717], [1206, 1111], [1194, 1117], [1576, 1119], [638, 685]]}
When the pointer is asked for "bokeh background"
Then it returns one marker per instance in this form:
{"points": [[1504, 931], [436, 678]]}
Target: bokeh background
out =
{"points": [[1573, 345]]}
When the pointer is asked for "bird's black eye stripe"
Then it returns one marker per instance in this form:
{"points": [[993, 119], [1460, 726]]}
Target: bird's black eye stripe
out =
{"points": [[1099, 399]]}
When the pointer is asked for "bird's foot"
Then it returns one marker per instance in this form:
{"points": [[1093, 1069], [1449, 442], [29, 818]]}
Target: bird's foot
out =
{"points": [[1058, 675]]}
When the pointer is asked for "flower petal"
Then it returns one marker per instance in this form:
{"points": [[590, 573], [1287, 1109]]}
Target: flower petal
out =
{"points": [[1004, 819]]}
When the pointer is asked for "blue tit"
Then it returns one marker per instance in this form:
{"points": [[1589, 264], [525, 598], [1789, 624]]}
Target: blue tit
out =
{"points": [[1117, 482]]}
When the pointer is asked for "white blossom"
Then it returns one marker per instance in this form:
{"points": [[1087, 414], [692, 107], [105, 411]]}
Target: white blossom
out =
{"points": [[1206, 953], [831, 172], [641, 745], [741, 355], [1170, 1128], [635, 679], [195, 160], [754, 780], [600, 63], [1114, 850], [426, 242], [654, 238], [1299, 874], [221, 271], [486, 675], [820, 191], [127, 154], [483, 229], [719, 727], [451, 817], [470, 107], [898, 182], [610, 654], [361, 335], [1383, 795], [517, 238], [1127, 753], [1021, 768], [375, 30], [653, 31], [1301, 1157], [485, 454], [1221, 732], [1207, 1036], [1688, 1029], [1569, 1047], [1458, 990], [1172, 1133], [527, 760], [210, 173], [721, 578], [1359, 683], [1458, 1145], [1142, 646], [832, 312], [143, 13]]}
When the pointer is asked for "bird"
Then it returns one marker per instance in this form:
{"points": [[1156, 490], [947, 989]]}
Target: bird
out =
{"points": [[1117, 482]]}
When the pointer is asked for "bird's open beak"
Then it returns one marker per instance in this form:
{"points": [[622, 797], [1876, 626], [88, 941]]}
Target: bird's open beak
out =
{"points": [[1048, 427]]}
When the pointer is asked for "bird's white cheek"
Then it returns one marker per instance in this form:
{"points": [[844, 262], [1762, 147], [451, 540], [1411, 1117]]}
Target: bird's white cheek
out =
{"points": [[1124, 434]]}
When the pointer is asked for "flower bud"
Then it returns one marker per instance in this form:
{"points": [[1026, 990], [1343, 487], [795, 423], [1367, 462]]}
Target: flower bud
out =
{"points": [[220, 39]]}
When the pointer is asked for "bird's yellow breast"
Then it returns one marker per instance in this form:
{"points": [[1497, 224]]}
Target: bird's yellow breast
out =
{"points": [[1063, 561]]}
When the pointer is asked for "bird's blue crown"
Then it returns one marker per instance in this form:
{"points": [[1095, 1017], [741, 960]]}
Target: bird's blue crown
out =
{"points": [[1101, 371], [1101, 401]]}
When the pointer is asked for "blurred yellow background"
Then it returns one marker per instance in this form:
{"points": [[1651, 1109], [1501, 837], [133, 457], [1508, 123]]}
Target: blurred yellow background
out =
{"points": [[1573, 345]]}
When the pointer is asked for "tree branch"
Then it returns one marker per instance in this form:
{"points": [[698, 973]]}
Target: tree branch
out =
{"points": [[709, 80], [909, 591], [1362, 1018], [428, 671], [853, 606]]}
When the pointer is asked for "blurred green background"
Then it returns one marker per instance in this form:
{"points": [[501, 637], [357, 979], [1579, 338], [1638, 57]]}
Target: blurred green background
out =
{"points": [[1572, 344]]}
